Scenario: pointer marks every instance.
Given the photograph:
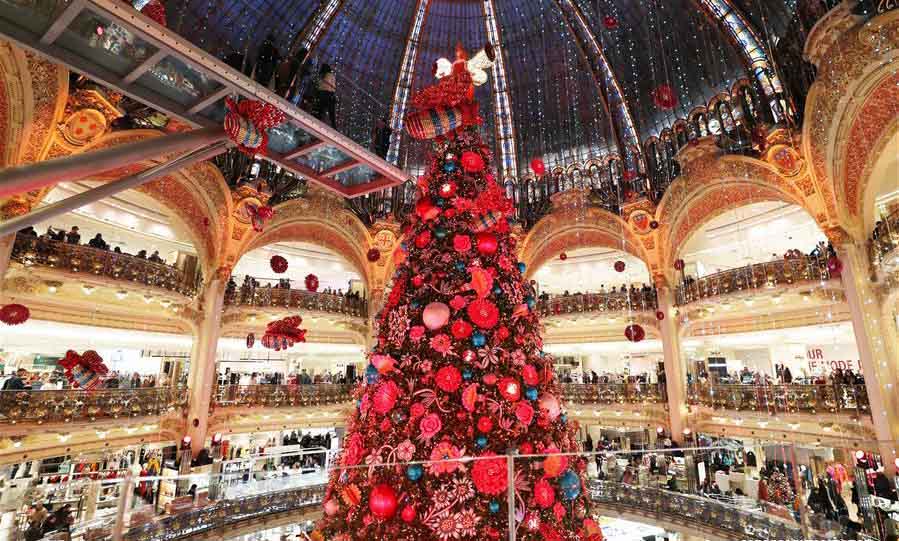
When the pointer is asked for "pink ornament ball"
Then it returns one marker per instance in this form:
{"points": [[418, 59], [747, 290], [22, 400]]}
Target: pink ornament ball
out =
{"points": [[331, 507], [435, 315], [550, 404], [382, 502]]}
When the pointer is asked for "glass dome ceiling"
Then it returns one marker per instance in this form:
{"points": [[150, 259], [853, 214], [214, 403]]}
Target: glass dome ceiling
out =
{"points": [[549, 93]]}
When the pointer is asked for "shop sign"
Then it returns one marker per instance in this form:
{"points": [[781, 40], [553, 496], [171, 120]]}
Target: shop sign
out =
{"points": [[825, 359]]}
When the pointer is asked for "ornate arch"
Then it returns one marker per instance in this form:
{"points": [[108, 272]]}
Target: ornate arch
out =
{"points": [[321, 219], [851, 110]]}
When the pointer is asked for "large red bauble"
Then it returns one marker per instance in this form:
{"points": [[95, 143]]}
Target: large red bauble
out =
{"points": [[14, 314], [610, 22], [423, 239], [486, 242], [660, 315], [311, 283], [510, 389], [664, 97], [278, 264], [408, 513], [382, 501], [472, 162], [538, 167], [373, 255], [619, 266], [426, 209], [563, 256], [634, 332]]}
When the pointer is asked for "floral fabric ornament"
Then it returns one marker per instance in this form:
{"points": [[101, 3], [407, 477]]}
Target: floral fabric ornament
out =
{"points": [[311, 283], [247, 123], [510, 389], [448, 379], [634, 332], [14, 314], [429, 426], [544, 494], [278, 264], [489, 475], [373, 255], [385, 397], [83, 371], [483, 313], [472, 162], [664, 97], [538, 167]]}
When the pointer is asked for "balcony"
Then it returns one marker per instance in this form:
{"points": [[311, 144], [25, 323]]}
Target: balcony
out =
{"points": [[80, 259], [75, 406], [782, 399], [884, 243], [267, 293], [756, 277], [581, 303], [282, 396], [613, 393]]}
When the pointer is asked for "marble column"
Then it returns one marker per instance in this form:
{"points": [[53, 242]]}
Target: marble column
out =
{"points": [[877, 365], [201, 379], [675, 380]]}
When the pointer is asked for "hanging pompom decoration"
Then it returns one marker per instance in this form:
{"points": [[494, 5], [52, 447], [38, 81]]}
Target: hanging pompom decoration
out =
{"points": [[660, 315], [538, 167], [834, 266], [679, 265], [610, 22], [472, 162], [284, 333], [563, 256], [251, 340], [653, 224], [664, 97], [311, 283], [247, 122], [259, 215], [373, 255], [619, 266], [14, 314], [634, 332], [153, 9], [278, 264]]}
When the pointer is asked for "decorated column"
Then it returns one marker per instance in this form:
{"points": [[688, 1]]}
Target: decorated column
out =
{"points": [[201, 380], [675, 383], [878, 368], [6, 244]]}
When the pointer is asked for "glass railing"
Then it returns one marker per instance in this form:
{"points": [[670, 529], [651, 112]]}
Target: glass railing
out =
{"points": [[768, 275], [613, 393], [686, 489], [67, 405], [283, 396], [274, 293], [597, 302], [79, 258], [813, 399]]}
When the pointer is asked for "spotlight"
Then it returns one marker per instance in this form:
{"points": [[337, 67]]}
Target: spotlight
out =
{"points": [[121, 294], [87, 289]]}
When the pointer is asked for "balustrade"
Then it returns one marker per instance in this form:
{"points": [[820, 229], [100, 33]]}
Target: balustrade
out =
{"points": [[613, 393], [885, 241], [78, 258], [597, 302], [282, 396], [269, 293], [766, 275], [813, 399], [68, 405]]}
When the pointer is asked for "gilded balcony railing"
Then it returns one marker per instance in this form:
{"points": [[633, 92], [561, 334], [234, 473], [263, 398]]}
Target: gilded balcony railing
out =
{"points": [[79, 258], [282, 396], [597, 302], [613, 393], [884, 243], [691, 510], [811, 399], [268, 295], [767, 275], [68, 405]]}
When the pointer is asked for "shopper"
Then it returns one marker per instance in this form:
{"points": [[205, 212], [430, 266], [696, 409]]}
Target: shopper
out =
{"points": [[327, 100]]}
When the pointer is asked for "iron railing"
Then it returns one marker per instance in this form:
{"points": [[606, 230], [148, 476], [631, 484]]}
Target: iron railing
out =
{"points": [[613, 393], [598, 302], [789, 398], [273, 295], [67, 405], [282, 396]]}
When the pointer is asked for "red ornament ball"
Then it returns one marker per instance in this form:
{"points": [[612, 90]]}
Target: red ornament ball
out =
{"points": [[610, 22], [311, 283], [14, 314], [447, 189], [472, 162], [426, 209], [485, 424], [619, 266], [510, 389], [660, 315], [634, 332], [679, 265], [423, 239], [278, 264], [373, 255], [653, 224], [538, 167], [382, 502], [251, 339], [834, 266], [664, 97], [563, 256], [486, 243], [408, 514]]}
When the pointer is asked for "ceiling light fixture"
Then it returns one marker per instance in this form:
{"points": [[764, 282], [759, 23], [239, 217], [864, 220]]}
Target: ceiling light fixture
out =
{"points": [[87, 289], [121, 294]]}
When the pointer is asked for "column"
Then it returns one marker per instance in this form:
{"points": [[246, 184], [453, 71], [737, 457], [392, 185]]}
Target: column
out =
{"points": [[675, 382], [201, 380], [6, 244], [877, 366]]}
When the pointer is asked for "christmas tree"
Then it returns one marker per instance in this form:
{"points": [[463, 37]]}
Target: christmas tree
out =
{"points": [[458, 371]]}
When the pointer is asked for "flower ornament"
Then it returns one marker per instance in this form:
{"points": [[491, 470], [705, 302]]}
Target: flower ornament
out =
{"points": [[429, 426], [489, 475]]}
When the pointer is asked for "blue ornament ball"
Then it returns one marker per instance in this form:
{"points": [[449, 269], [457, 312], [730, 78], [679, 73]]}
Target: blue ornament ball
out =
{"points": [[481, 441], [570, 485], [440, 202], [449, 167], [497, 290], [466, 374], [414, 304], [531, 394], [531, 302], [440, 232], [494, 506], [460, 266], [371, 374], [478, 339], [564, 417], [414, 472], [521, 267]]}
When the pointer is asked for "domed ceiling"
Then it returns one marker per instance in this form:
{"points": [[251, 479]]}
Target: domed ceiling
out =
{"points": [[560, 58]]}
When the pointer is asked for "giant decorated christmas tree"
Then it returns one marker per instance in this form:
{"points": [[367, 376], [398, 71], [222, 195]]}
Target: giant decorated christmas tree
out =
{"points": [[458, 369]]}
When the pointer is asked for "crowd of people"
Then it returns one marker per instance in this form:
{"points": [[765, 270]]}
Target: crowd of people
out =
{"points": [[278, 378], [250, 286], [644, 296], [23, 380], [43, 521], [73, 236]]}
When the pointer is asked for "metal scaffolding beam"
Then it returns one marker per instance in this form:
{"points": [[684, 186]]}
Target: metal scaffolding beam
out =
{"points": [[503, 121]]}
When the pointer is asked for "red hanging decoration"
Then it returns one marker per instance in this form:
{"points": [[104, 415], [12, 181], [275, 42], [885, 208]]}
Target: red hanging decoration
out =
{"points": [[259, 215], [373, 255], [472, 162], [660, 315], [83, 371], [14, 314], [653, 224], [563, 256], [634, 332], [278, 264], [247, 122], [383, 501], [538, 167], [664, 97], [834, 266], [251, 340], [619, 266], [679, 265], [153, 9], [284, 333], [311, 283], [610, 22]]}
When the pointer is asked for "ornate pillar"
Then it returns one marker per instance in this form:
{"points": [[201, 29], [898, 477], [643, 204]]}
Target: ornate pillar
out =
{"points": [[201, 380], [675, 382], [11, 208], [877, 365]]}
